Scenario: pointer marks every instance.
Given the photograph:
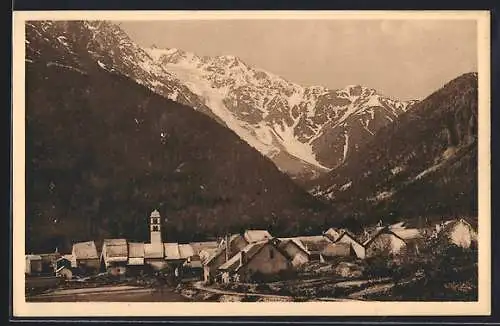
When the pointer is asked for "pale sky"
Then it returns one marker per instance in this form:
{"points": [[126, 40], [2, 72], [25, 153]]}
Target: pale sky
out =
{"points": [[405, 59]]}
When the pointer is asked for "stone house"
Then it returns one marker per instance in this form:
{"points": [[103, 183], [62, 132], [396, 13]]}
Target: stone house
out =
{"points": [[258, 259]]}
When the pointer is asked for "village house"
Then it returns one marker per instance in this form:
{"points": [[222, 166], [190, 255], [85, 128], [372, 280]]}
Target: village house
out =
{"points": [[295, 250], [358, 248], [33, 264], [228, 247], [384, 243], [114, 256], [202, 251], [226, 250], [257, 259], [458, 232], [414, 238], [135, 262], [314, 245], [154, 255], [85, 258]]}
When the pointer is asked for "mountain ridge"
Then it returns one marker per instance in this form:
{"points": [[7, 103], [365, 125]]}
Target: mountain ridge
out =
{"points": [[424, 164], [275, 115], [102, 151], [295, 126]]}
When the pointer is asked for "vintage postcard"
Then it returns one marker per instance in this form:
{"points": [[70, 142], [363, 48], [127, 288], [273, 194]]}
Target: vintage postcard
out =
{"points": [[251, 163]]}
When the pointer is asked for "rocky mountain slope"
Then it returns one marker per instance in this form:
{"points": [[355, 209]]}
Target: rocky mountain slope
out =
{"points": [[424, 164], [304, 130], [102, 152]]}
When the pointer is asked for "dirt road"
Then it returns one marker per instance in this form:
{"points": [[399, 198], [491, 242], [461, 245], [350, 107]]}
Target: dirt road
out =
{"points": [[110, 294]]}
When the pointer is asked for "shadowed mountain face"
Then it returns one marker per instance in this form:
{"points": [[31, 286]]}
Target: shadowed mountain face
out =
{"points": [[422, 165], [305, 131], [102, 152]]}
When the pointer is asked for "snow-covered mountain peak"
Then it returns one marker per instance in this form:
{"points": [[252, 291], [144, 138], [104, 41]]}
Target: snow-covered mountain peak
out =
{"points": [[277, 116], [304, 130]]}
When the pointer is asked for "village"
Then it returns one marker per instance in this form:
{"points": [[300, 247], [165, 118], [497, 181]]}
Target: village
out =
{"points": [[336, 264]]}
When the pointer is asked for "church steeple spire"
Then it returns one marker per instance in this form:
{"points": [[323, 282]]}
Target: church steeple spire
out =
{"points": [[155, 227]]}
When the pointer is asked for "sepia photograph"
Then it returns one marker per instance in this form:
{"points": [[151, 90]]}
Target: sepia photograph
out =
{"points": [[294, 160]]}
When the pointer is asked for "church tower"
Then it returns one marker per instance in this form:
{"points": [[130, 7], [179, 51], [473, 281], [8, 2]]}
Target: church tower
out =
{"points": [[155, 227]]}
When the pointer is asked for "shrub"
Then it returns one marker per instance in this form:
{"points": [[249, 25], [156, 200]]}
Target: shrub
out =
{"points": [[379, 266], [441, 272]]}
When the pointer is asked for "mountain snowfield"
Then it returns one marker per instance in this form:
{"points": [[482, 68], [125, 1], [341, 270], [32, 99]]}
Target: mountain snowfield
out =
{"points": [[304, 130]]}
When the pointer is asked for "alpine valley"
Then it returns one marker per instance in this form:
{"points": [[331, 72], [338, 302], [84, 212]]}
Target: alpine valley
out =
{"points": [[114, 129]]}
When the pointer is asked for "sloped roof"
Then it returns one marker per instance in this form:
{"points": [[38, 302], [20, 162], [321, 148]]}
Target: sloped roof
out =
{"points": [[212, 255], [333, 234], [85, 250], [284, 242], [407, 234], [384, 232], [204, 245], [172, 251], [115, 248], [33, 257], [153, 250], [185, 251], [207, 254], [135, 250], [114, 242], [250, 250], [67, 257], [221, 248], [349, 235], [256, 235], [375, 233], [314, 243], [450, 225]]}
